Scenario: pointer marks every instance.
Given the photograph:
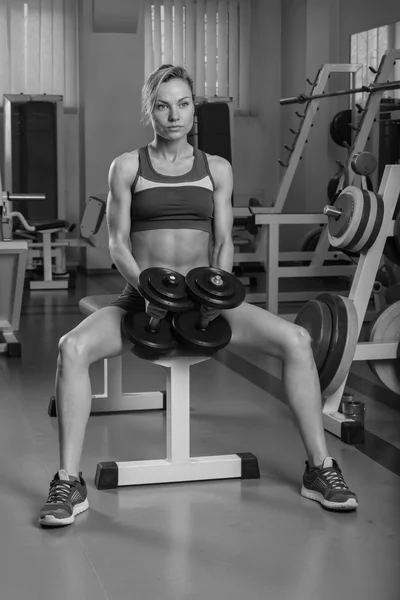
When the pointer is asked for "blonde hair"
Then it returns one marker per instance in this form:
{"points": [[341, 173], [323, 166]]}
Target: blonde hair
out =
{"points": [[152, 85]]}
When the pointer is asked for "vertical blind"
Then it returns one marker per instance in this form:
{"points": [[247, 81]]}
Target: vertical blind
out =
{"points": [[39, 47], [211, 38], [367, 49]]}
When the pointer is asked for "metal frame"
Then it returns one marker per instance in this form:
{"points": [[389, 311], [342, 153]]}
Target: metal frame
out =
{"points": [[269, 236], [10, 323], [113, 399], [272, 217], [46, 248], [9, 99], [178, 466], [360, 292]]}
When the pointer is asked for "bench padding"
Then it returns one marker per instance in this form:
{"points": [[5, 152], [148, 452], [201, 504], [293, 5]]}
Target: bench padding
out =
{"points": [[90, 304]]}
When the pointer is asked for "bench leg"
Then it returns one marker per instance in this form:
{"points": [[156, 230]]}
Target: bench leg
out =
{"points": [[113, 399], [178, 466], [9, 344]]}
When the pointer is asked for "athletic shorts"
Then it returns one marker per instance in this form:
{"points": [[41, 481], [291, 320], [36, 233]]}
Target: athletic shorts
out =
{"points": [[130, 300]]}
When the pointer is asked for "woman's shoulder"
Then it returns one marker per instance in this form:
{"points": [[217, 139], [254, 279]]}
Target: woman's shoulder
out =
{"points": [[126, 165], [218, 165]]}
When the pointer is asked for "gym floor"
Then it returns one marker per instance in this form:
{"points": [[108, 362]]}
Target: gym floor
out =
{"points": [[220, 540]]}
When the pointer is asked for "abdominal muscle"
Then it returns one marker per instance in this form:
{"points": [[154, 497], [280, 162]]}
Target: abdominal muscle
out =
{"points": [[177, 249]]}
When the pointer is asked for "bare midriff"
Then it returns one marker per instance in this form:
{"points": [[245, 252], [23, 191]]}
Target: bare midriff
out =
{"points": [[177, 249]]}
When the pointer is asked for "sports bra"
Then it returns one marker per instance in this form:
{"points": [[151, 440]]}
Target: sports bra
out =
{"points": [[172, 201]]}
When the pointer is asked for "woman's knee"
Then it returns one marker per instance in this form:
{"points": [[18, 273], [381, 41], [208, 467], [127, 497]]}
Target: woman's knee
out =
{"points": [[298, 344], [73, 347]]}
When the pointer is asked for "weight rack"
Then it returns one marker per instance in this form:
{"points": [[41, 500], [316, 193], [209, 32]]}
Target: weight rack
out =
{"points": [[270, 218], [360, 292]]}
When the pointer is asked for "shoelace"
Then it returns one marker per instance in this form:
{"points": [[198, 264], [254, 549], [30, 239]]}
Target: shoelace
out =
{"points": [[335, 479], [59, 491]]}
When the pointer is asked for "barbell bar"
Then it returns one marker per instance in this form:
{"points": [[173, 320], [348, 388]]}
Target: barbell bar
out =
{"points": [[370, 89]]}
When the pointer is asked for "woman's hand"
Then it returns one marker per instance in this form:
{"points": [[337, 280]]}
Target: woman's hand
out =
{"points": [[154, 311], [209, 313]]}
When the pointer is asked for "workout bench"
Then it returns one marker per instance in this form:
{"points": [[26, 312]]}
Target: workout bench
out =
{"points": [[178, 466]]}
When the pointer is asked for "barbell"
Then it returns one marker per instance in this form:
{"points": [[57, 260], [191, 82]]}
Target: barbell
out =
{"points": [[370, 89]]}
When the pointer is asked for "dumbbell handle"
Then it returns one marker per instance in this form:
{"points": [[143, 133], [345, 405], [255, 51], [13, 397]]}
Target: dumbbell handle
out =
{"points": [[203, 323], [204, 320], [331, 211], [154, 324]]}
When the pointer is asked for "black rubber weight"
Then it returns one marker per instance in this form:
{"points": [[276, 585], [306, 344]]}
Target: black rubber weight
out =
{"points": [[366, 213], [338, 338], [315, 316]]}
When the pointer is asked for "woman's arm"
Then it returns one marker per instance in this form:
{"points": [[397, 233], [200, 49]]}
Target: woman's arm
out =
{"points": [[222, 256], [121, 176]]}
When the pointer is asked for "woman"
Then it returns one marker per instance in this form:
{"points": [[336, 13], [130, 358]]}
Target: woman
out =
{"points": [[165, 202]]}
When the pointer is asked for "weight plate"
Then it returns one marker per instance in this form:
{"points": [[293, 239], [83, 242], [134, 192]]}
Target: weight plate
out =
{"points": [[315, 316], [343, 342], [386, 328], [217, 335], [339, 128], [165, 288], [310, 240], [366, 223], [215, 288], [355, 199], [134, 326], [363, 163], [370, 238], [345, 203]]}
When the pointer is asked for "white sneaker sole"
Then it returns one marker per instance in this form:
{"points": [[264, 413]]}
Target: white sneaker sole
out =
{"points": [[51, 521], [350, 504]]}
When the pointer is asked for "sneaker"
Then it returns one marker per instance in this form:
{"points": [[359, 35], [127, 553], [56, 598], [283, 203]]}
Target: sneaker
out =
{"points": [[326, 485], [67, 498]]}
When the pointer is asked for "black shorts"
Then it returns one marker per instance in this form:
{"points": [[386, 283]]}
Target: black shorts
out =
{"points": [[130, 300]]}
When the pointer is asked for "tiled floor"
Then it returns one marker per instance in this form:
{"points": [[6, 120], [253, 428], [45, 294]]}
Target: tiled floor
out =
{"points": [[221, 540]]}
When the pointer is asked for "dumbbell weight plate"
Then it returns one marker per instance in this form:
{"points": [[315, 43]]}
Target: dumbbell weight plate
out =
{"points": [[148, 344], [217, 335], [164, 288], [215, 288]]}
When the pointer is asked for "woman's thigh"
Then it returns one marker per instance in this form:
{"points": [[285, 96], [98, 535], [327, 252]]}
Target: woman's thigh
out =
{"points": [[257, 329], [98, 336]]}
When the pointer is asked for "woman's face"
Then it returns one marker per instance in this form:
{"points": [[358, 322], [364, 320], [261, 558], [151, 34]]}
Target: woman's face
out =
{"points": [[173, 113]]}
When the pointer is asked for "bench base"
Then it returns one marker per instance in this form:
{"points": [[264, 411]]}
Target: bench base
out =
{"points": [[111, 475]]}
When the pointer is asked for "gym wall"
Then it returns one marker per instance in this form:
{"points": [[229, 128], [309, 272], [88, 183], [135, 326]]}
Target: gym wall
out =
{"points": [[111, 77]]}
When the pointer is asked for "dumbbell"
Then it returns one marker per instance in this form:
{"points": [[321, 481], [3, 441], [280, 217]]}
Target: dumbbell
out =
{"points": [[212, 288], [152, 336]]}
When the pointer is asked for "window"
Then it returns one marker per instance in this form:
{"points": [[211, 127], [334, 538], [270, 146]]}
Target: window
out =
{"points": [[367, 49], [211, 38], [38, 48]]}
